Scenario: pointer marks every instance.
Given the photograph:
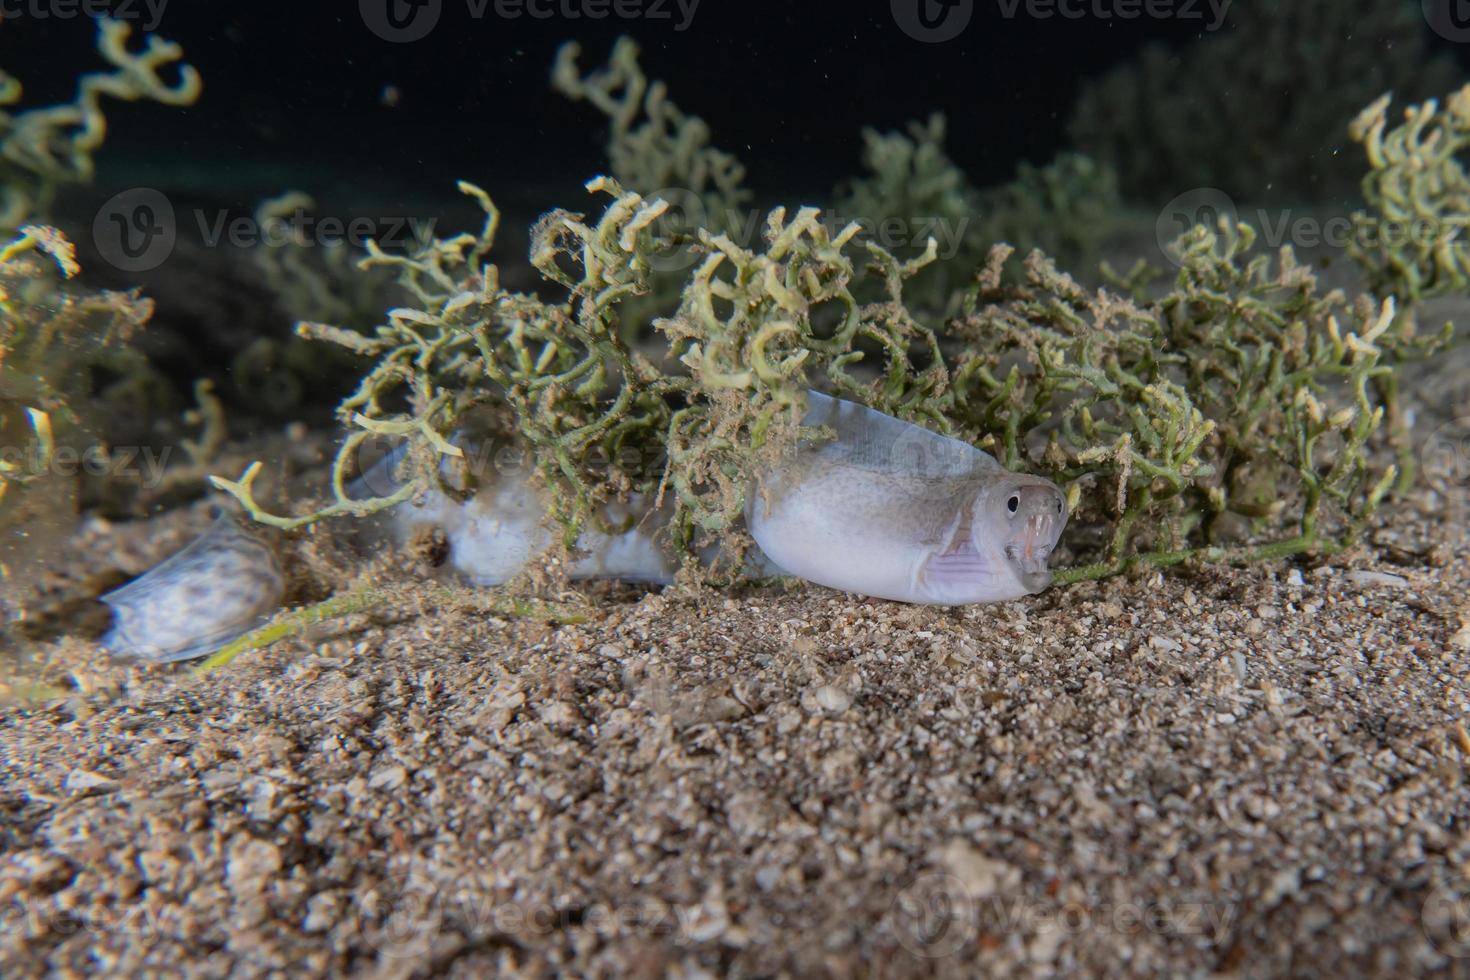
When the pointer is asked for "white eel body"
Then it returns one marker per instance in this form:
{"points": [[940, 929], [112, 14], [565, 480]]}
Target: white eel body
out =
{"points": [[892, 510], [496, 533], [885, 509]]}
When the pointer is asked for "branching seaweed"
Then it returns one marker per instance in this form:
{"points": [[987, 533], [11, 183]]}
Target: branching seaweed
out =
{"points": [[52, 417], [43, 150], [314, 282], [1257, 110], [1230, 418], [1414, 242], [1066, 208], [574, 390], [1233, 414], [562, 369], [652, 146], [909, 174]]}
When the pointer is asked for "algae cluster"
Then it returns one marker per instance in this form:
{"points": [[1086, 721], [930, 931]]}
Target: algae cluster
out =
{"points": [[1412, 241], [1231, 413], [53, 415], [1239, 410], [45, 149], [69, 368]]}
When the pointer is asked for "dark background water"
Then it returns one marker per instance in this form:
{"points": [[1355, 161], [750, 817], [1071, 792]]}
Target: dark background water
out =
{"points": [[294, 91]]}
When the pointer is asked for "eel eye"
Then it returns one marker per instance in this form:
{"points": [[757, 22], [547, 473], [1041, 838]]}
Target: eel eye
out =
{"points": [[1013, 504], [1059, 506]]}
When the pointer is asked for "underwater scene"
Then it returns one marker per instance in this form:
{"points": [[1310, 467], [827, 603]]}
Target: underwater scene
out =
{"points": [[705, 488]]}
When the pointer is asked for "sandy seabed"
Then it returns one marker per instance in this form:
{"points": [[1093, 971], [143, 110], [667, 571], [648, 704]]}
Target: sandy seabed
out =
{"points": [[1251, 771], [1240, 771]]}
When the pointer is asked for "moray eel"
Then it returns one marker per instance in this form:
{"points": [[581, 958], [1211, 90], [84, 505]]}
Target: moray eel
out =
{"points": [[885, 509]]}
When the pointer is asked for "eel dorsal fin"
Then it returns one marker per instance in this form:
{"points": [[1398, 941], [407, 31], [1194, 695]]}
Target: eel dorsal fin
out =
{"points": [[871, 440]]}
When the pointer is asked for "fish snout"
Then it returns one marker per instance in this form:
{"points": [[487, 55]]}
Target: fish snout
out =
{"points": [[1039, 512]]}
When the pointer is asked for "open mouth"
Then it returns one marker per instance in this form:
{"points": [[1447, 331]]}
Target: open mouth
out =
{"points": [[1031, 568], [1035, 576]]}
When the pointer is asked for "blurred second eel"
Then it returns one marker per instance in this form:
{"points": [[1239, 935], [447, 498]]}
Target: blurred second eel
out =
{"points": [[221, 585]]}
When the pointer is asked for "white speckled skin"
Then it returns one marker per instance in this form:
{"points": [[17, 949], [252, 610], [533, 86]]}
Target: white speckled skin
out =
{"points": [[892, 510], [498, 531], [221, 585]]}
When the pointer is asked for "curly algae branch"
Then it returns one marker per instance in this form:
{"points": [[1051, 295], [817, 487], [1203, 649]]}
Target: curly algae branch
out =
{"points": [[45, 149], [1234, 415]]}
